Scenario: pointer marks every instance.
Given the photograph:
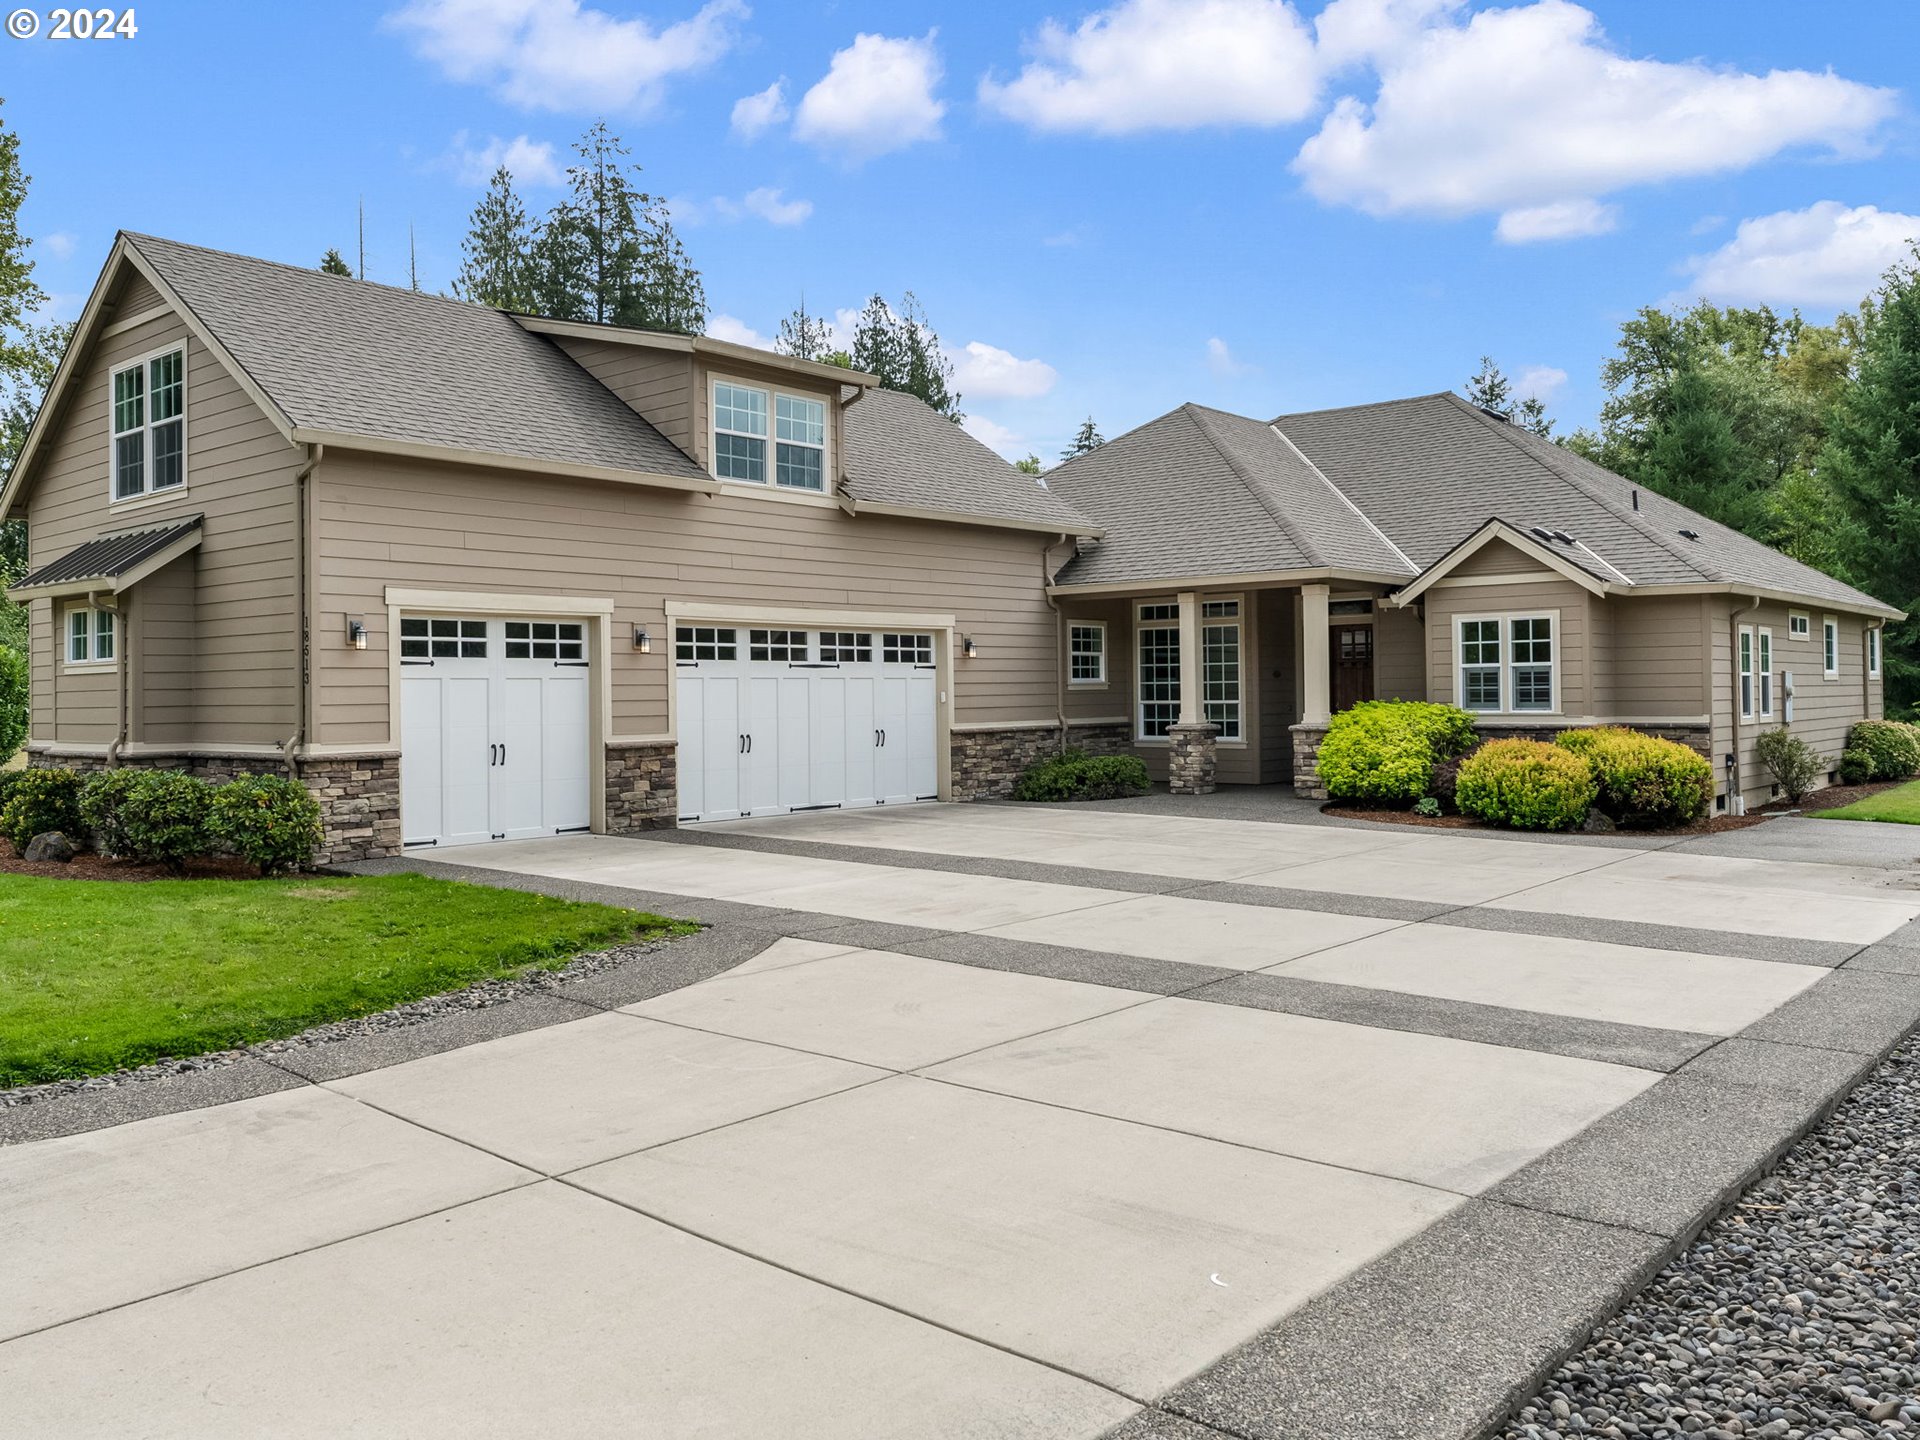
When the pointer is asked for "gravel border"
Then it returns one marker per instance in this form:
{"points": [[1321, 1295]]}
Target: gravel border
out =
{"points": [[1788, 1317], [482, 995]]}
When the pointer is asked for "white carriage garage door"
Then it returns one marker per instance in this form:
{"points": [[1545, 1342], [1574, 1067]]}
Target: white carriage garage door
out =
{"points": [[493, 729], [776, 720]]}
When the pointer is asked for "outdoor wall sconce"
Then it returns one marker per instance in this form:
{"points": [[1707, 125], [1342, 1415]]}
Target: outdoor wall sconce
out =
{"points": [[642, 641], [356, 633], [966, 647]]}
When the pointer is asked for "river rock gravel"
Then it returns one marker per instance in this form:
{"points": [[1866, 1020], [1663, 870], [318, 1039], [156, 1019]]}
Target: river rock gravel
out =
{"points": [[1790, 1317]]}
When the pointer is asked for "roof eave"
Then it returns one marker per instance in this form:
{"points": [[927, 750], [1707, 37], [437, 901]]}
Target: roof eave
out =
{"points": [[964, 517], [415, 450], [1228, 580], [693, 344], [1866, 605], [1497, 529]]}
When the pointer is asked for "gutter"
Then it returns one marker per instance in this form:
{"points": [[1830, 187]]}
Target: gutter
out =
{"points": [[1736, 788]]}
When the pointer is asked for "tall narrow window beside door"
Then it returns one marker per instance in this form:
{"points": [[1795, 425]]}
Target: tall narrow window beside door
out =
{"points": [[1220, 665], [1158, 634]]}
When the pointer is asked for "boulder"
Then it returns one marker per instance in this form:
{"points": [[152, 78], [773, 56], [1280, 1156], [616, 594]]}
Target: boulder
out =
{"points": [[50, 845], [1597, 824]]}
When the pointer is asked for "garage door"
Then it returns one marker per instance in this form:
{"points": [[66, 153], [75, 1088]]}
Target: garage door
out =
{"points": [[777, 720], [493, 729]]}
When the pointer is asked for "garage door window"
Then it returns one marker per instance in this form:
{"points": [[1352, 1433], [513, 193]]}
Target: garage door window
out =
{"points": [[777, 645], [424, 639], [704, 642], [545, 640], [844, 647], [907, 649]]}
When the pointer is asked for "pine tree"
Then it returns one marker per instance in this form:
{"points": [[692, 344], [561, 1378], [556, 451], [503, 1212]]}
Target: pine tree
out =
{"points": [[495, 258], [879, 347], [1694, 456], [1491, 390], [900, 348], [334, 263], [804, 336], [1028, 464], [1087, 438]]}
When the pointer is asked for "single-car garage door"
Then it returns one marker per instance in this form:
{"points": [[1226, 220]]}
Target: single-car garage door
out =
{"points": [[493, 729], [777, 720]]}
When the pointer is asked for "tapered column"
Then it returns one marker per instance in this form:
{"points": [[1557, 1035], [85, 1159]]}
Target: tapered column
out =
{"points": [[1315, 665]]}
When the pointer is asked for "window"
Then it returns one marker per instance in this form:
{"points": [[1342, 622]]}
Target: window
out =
{"points": [[1830, 645], [1087, 654], [1158, 634], [90, 637], [424, 639], [843, 647], [1799, 625], [704, 642], [1532, 662], [800, 454], [545, 640], [1873, 650], [150, 425], [1763, 647], [787, 645], [740, 414], [1746, 672], [1220, 665], [1480, 664], [907, 649]]}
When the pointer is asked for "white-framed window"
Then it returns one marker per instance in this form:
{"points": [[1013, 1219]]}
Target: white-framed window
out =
{"points": [[845, 647], [1220, 665], [787, 645], [425, 638], [1830, 646], [1873, 650], [694, 643], [1763, 649], [741, 416], [148, 418], [1087, 652], [1746, 672], [546, 640], [906, 649], [1799, 625], [92, 637], [1508, 663], [1157, 678]]}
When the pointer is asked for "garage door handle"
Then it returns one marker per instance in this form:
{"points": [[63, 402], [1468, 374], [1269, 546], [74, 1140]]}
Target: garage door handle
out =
{"points": [[503, 754], [883, 737], [493, 754]]}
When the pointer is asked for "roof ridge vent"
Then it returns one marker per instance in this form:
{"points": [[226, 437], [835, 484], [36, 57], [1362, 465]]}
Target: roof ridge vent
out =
{"points": [[1492, 414]]}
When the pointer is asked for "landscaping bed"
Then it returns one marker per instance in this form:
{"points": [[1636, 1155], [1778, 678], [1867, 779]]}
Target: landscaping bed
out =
{"points": [[1709, 825], [88, 866], [98, 976]]}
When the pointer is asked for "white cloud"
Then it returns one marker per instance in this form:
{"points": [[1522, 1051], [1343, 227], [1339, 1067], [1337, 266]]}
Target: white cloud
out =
{"points": [[531, 162], [562, 55], [1562, 220], [1538, 382], [736, 332], [987, 370], [1165, 65], [755, 114], [765, 203], [59, 244], [877, 96], [1352, 32], [1530, 111], [995, 436], [1221, 360], [1825, 255]]}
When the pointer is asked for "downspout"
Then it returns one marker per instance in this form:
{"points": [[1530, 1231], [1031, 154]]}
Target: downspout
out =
{"points": [[123, 663], [1866, 681], [1059, 641], [1736, 779], [303, 690]]}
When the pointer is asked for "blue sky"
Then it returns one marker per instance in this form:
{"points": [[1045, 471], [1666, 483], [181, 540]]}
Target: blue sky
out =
{"points": [[1108, 211]]}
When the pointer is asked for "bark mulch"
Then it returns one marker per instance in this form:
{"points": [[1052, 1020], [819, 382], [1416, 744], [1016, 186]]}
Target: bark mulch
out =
{"points": [[1713, 825], [99, 867]]}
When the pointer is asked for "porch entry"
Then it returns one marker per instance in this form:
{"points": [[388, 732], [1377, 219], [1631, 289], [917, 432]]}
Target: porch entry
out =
{"points": [[1351, 658]]}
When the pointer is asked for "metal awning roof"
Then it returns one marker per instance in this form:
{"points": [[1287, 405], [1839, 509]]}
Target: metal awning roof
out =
{"points": [[113, 562]]}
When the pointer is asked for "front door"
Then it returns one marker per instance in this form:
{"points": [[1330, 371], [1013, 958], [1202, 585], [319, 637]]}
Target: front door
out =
{"points": [[1352, 659]]}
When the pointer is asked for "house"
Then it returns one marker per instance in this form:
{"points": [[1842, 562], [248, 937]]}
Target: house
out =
{"points": [[473, 575]]}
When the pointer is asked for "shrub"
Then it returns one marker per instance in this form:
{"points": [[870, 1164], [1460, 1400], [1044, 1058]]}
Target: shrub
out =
{"points": [[164, 817], [1856, 767], [1446, 778], [1794, 763], [1892, 747], [1527, 784], [1076, 775], [1428, 806], [268, 820], [39, 801], [1382, 752], [13, 702], [102, 797], [1641, 780]]}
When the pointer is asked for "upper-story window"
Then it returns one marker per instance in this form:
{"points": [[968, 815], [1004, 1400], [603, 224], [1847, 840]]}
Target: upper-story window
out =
{"points": [[150, 425], [740, 437]]}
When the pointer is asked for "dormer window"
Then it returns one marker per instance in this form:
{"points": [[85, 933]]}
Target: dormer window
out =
{"points": [[150, 425], [740, 439]]}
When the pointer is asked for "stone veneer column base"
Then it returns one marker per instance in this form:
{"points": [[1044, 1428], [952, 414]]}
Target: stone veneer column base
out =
{"points": [[1306, 755], [986, 763], [1192, 751], [643, 791]]}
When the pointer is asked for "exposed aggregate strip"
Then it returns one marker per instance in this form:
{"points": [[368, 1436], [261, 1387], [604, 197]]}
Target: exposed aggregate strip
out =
{"points": [[1790, 1317]]}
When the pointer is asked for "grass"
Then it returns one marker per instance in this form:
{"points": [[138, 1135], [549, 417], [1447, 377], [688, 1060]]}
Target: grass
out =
{"points": [[96, 975], [1899, 806]]}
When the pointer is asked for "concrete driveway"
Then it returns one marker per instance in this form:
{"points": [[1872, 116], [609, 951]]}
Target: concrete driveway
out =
{"points": [[1009, 1121]]}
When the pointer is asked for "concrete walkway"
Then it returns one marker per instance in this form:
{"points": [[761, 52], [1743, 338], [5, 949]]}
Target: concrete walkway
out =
{"points": [[975, 1121]]}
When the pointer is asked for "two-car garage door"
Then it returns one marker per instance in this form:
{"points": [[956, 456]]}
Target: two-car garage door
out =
{"points": [[776, 720]]}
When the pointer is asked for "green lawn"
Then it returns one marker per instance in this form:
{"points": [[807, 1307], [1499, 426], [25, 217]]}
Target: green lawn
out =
{"points": [[1900, 806], [97, 974]]}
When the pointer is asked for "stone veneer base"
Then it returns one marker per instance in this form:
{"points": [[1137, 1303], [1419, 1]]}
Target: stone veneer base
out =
{"points": [[1192, 753], [986, 763]]}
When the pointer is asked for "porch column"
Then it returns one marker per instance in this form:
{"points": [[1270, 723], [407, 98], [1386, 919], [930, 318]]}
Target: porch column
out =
{"points": [[1191, 743], [1316, 666], [1190, 709]]}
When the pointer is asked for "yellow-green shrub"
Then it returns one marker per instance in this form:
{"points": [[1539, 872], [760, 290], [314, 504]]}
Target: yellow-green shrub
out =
{"points": [[1892, 745], [1382, 752], [1527, 784], [1642, 781]]}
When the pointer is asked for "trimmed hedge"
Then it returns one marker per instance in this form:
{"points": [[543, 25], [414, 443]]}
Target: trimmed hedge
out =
{"points": [[164, 817], [1076, 775], [1892, 747], [1642, 781], [40, 800], [1856, 767], [266, 819], [103, 797], [1526, 784], [1383, 752]]}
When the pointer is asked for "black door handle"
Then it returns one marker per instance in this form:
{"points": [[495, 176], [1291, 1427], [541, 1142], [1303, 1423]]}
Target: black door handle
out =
{"points": [[493, 755], [503, 754], [883, 738]]}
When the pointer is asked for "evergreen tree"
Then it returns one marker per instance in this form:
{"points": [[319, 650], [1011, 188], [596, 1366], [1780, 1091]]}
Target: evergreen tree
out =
{"points": [[804, 336], [878, 346], [1693, 455], [899, 347], [1028, 464], [496, 257], [1491, 390], [1871, 461], [334, 263], [1087, 438]]}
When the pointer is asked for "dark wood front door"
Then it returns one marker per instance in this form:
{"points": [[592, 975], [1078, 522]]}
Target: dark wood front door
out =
{"points": [[1352, 657]]}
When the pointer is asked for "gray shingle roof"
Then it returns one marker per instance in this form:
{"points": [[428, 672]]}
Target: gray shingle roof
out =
{"points": [[901, 452], [387, 364], [110, 556], [1203, 492]]}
